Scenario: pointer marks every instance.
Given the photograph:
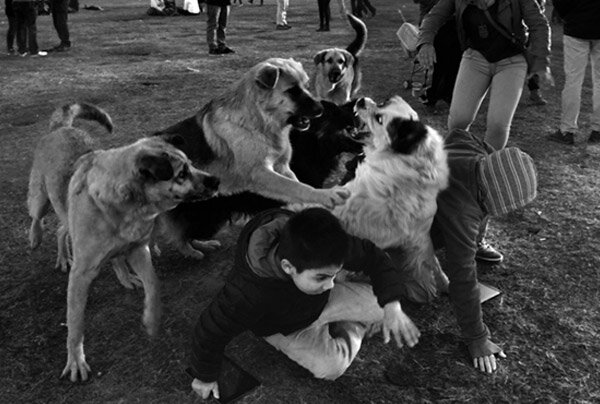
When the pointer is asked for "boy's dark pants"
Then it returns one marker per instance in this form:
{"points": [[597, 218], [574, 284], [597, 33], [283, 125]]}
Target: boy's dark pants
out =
{"points": [[25, 15], [12, 24], [60, 12]]}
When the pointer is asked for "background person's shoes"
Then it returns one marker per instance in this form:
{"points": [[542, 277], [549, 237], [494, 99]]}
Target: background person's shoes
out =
{"points": [[535, 98], [39, 54], [214, 51], [23, 54], [487, 253], [11, 52], [594, 137], [225, 50], [282, 27], [562, 137], [63, 47]]}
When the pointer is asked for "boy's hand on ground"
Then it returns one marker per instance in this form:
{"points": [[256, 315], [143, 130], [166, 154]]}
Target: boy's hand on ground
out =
{"points": [[396, 322], [204, 389], [484, 353]]}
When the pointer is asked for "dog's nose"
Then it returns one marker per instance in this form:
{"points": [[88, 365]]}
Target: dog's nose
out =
{"points": [[211, 182]]}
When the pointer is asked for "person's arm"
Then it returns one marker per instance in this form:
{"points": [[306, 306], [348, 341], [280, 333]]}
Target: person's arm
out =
{"points": [[539, 37], [460, 227], [432, 22], [236, 308], [365, 256]]}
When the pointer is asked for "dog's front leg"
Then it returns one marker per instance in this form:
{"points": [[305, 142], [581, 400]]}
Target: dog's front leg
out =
{"points": [[274, 185], [83, 272], [140, 261]]}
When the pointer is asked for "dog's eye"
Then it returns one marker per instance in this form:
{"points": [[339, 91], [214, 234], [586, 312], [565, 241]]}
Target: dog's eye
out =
{"points": [[379, 118]]}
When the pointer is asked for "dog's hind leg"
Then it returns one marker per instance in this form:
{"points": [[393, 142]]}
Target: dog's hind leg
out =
{"points": [[63, 255], [123, 272], [140, 261], [38, 204]]}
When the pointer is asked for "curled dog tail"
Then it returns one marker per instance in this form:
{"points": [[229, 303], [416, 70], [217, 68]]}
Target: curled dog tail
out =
{"points": [[65, 115], [357, 46]]}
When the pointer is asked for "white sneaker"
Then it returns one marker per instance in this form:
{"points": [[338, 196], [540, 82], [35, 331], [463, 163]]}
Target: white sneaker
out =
{"points": [[40, 53]]}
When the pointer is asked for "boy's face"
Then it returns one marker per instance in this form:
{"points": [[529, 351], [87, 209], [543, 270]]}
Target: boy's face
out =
{"points": [[312, 281]]}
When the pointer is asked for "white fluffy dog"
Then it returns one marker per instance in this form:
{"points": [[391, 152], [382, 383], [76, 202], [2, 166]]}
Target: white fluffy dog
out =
{"points": [[393, 193]]}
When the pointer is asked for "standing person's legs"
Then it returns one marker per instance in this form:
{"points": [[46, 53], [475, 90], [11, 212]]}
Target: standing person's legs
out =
{"points": [[505, 92], [595, 63], [576, 53], [212, 15], [20, 26], [30, 17], [222, 25], [472, 83], [11, 32], [328, 346], [60, 12], [282, 6]]}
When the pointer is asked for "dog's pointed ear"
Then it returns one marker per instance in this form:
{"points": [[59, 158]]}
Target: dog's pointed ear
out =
{"points": [[406, 135], [320, 57], [267, 76], [176, 140], [156, 167]]}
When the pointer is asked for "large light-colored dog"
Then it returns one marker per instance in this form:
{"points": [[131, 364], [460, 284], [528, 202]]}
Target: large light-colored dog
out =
{"points": [[337, 76], [393, 194], [242, 136], [107, 201]]}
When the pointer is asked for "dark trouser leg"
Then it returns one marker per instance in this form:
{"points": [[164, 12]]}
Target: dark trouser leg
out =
{"points": [[20, 26], [533, 83], [212, 14], [30, 17], [11, 32], [60, 12], [222, 26]]}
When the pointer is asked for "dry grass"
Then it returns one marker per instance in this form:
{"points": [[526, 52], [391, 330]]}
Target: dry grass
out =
{"points": [[150, 72]]}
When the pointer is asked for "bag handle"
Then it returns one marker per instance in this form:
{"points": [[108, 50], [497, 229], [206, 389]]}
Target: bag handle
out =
{"points": [[510, 36]]}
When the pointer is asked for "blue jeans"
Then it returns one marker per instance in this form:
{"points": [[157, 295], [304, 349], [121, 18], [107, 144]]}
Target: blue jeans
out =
{"points": [[216, 25], [476, 76]]}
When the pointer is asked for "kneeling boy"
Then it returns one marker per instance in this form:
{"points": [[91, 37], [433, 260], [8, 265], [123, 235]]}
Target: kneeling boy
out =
{"points": [[282, 288]]}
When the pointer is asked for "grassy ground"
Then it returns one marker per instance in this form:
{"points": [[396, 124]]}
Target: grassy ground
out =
{"points": [[150, 72]]}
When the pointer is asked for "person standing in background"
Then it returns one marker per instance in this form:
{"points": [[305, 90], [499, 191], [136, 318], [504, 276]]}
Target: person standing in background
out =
{"points": [[25, 12], [12, 27], [281, 17], [533, 84], [60, 12], [581, 42], [217, 14], [324, 15]]}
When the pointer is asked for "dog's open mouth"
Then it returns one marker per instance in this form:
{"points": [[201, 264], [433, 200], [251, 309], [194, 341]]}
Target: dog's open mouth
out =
{"points": [[300, 123]]}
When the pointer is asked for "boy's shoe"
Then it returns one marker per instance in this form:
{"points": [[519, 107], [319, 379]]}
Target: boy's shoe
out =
{"points": [[594, 137], [39, 54], [536, 98], [562, 137], [282, 27], [487, 253], [223, 49], [60, 48]]}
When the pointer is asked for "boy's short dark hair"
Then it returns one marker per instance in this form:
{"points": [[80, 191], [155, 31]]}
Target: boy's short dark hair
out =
{"points": [[313, 238]]}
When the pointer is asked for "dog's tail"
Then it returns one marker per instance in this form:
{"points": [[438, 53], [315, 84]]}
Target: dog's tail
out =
{"points": [[357, 46], [64, 116]]}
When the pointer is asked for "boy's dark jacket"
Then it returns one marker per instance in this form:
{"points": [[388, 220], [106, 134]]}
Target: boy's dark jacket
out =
{"points": [[265, 300]]}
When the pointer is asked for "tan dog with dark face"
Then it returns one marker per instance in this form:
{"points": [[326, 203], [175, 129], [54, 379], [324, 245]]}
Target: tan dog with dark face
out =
{"points": [[108, 200], [337, 75], [242, 136]]}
